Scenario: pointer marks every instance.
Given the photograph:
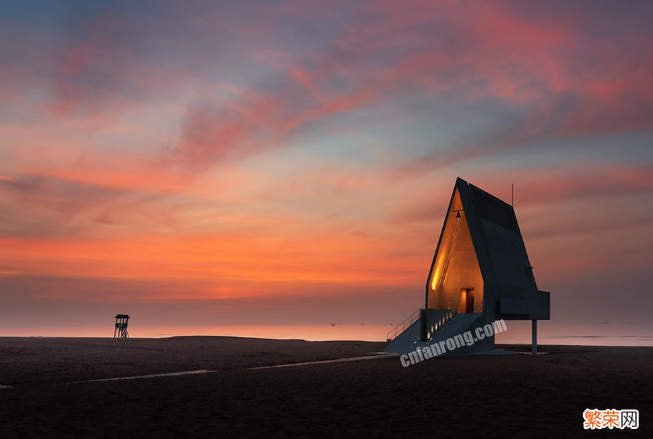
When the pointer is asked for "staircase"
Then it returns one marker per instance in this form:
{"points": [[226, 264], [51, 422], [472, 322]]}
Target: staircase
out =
{"points": [[406, 341], [406, 336], [444, 324], [403, 326]]}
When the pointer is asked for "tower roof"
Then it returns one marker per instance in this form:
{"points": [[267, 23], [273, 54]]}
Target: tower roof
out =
{"points": [[509, 285], [497, 240]]}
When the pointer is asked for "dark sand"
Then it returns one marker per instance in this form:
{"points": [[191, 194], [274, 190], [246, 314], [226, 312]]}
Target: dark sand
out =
{"points": [[475, 396]]}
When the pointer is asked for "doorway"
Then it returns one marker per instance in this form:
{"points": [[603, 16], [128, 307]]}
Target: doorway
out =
{"points": [[467, 300]]}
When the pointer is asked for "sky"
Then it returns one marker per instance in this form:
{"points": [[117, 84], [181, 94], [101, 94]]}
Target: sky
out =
{"points": [[204, 164]]}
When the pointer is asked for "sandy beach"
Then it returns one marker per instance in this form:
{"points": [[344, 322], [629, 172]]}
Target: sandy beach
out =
{"points": [[485, 396]]}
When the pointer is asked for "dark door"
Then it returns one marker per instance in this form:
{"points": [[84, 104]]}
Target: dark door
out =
{"points": [[469, 307]]}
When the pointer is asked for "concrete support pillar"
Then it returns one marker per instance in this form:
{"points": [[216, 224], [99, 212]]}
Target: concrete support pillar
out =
{"points": [[534, 322], [424, 325]]}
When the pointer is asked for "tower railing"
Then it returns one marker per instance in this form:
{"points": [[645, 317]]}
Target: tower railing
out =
{"points": [[401, 327], [415, 316]]}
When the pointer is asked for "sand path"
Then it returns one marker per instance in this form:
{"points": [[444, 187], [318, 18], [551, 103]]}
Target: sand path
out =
{"points": [[203, 371]]}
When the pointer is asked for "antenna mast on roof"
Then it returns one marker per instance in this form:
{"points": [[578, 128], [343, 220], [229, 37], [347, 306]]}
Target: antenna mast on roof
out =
{"points": [[512, 195]]}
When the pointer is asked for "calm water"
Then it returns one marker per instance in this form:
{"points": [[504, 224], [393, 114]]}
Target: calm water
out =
{"points": [[518, 332], [311, 333]]}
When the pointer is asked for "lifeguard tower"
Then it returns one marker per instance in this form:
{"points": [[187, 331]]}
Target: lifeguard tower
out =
{"points": [[120, 331], [480, 273]]}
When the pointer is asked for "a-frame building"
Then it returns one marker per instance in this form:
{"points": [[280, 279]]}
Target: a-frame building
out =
{"points": [[480, 273]]}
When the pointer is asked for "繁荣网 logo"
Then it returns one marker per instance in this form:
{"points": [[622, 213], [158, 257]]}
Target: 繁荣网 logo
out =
{"points": [[611, 418]]}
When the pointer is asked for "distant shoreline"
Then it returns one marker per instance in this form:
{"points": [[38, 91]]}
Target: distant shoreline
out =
{"points": [[542, 343]]}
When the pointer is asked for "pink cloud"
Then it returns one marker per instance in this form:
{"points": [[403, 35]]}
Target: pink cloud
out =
{"points": [[546, 186]]}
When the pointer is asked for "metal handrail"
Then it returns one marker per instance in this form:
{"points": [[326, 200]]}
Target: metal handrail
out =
{"points": [[408, 322], [401, 327]]}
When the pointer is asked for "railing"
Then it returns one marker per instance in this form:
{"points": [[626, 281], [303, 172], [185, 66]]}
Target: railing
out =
{"points": [[401, 327], [437, 325]]}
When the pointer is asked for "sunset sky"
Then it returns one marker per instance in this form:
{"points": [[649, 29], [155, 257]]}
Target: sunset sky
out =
{"points": [[290, 163]]}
